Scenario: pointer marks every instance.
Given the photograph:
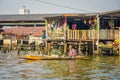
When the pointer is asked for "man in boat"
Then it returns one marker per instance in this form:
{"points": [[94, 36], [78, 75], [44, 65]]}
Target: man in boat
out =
{"points": [[72, 52]]}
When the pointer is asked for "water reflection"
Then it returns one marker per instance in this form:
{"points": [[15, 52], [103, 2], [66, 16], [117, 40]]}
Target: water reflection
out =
{"points": [[30, 61], [72, 64], [98, 68]]}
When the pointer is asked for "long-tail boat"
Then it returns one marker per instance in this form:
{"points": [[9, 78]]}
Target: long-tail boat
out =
{"points": [[37, 57]]}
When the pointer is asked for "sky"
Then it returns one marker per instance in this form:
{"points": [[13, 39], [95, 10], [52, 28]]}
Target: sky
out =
{"points": [[58, 6]]}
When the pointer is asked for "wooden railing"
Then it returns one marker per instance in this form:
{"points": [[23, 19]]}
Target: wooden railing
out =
{"points": [[93, 34], [87, 34], [82, 34], [109, 34]]}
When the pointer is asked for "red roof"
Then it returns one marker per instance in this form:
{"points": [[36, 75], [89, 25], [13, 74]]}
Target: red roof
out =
{"points": [[36, 31]]}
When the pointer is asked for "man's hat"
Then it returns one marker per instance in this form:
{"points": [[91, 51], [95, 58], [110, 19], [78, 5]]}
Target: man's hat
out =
{"points": [[70, 46]]}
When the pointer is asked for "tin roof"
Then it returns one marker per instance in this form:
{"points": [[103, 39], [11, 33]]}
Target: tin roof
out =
{"points": [[29, 17], [112, 13], [36, 17]]}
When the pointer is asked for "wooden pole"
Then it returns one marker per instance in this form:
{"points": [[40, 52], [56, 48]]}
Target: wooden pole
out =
{"points": [[65, 35], [68, 34], [79, 48], [48, 48], [65, 24], [65, 47], [93, 33], [98, 25], [46, 27]]}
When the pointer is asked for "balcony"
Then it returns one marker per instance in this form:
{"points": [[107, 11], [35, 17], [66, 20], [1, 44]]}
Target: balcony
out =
{"points": [[84, 35]]}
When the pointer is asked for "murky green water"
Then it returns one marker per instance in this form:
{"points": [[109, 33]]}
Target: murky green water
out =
{"points": [[98, 68]]}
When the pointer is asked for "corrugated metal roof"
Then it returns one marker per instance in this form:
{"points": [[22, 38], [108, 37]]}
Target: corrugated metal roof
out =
{"points": [[112, 13], [25, 17], [29, 17]]}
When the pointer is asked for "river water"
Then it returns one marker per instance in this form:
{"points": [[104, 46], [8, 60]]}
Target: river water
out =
{"points": [[97, 68]]}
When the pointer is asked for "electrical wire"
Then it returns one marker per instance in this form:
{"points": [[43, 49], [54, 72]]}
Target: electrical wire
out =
{"points": [[64, 6]]}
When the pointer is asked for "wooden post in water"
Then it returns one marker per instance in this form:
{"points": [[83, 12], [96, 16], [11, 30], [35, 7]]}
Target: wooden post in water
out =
{"points": [[18, 49], [79, 48], [46, 27], [48, 48], [65, 36], [98, 25], [65, 47]]}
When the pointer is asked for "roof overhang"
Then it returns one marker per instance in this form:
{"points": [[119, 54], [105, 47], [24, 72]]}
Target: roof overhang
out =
{"points": [[112, 13]]}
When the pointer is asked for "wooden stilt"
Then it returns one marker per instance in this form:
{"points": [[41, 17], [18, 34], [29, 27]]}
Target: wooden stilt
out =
{"points": [[93, 41], [98, 25], [18, 49], [65, 47], [48, 48], [79, 50]]}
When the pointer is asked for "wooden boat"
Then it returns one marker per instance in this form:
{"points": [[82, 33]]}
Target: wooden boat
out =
{"points": [[32, 57]]}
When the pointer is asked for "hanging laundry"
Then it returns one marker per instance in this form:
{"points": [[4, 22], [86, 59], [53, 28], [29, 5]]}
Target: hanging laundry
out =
{"points": [[74, 27]]}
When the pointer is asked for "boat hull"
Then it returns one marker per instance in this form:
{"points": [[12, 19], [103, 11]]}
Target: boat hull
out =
{"points": [[30, 57]]}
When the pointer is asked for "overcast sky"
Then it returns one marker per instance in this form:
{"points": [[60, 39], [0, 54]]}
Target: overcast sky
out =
{"points": [[58, 6]]}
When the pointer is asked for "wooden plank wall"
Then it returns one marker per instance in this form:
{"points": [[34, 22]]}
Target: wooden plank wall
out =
{"points": [[92, 34]]}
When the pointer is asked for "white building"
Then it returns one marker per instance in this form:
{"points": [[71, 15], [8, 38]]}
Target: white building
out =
{"points": [[24, 11]]}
